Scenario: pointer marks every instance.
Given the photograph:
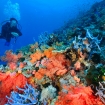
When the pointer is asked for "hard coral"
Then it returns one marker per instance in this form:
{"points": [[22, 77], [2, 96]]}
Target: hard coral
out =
{"points": [[100, 91], [29, 96]]}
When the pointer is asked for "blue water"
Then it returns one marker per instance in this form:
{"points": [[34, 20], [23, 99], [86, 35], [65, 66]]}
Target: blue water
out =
{"points": [[38, 16]]}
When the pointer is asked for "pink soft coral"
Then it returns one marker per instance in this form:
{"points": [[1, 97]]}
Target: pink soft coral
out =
{"points": [[78, 96], [12, 65], [10, 57]]}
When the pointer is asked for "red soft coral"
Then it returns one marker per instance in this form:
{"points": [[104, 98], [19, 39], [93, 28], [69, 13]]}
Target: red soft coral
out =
{"points": [[78, 96], [9, 83]]}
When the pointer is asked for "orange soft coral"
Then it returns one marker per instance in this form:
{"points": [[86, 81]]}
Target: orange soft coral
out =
{"points": [[78, 96], [21, 65], [41, 72], [31, 80], [55, 66], [36, 56], [48, 52], [9, 83]]}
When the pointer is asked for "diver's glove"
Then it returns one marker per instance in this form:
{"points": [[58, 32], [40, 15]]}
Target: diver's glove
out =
{"points": [[7, 43]]}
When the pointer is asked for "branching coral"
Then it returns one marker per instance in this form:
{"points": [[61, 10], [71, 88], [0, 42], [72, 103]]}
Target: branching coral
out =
{"points": [[28, 97], [100, 91], [88, 43], [94, 40]]}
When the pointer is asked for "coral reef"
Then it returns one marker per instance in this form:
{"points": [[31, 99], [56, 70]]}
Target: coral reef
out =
{"points": [[66, 67]]}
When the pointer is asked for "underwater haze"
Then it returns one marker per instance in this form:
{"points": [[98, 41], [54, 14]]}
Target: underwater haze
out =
{"points": [[38, 16]]}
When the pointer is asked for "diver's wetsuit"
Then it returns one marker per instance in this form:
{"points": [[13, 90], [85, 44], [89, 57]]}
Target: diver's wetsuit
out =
{"points": [[6, 32]]}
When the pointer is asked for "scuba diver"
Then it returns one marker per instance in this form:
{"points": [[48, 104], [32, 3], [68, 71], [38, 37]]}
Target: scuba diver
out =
{"points": [[9, 30]]}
